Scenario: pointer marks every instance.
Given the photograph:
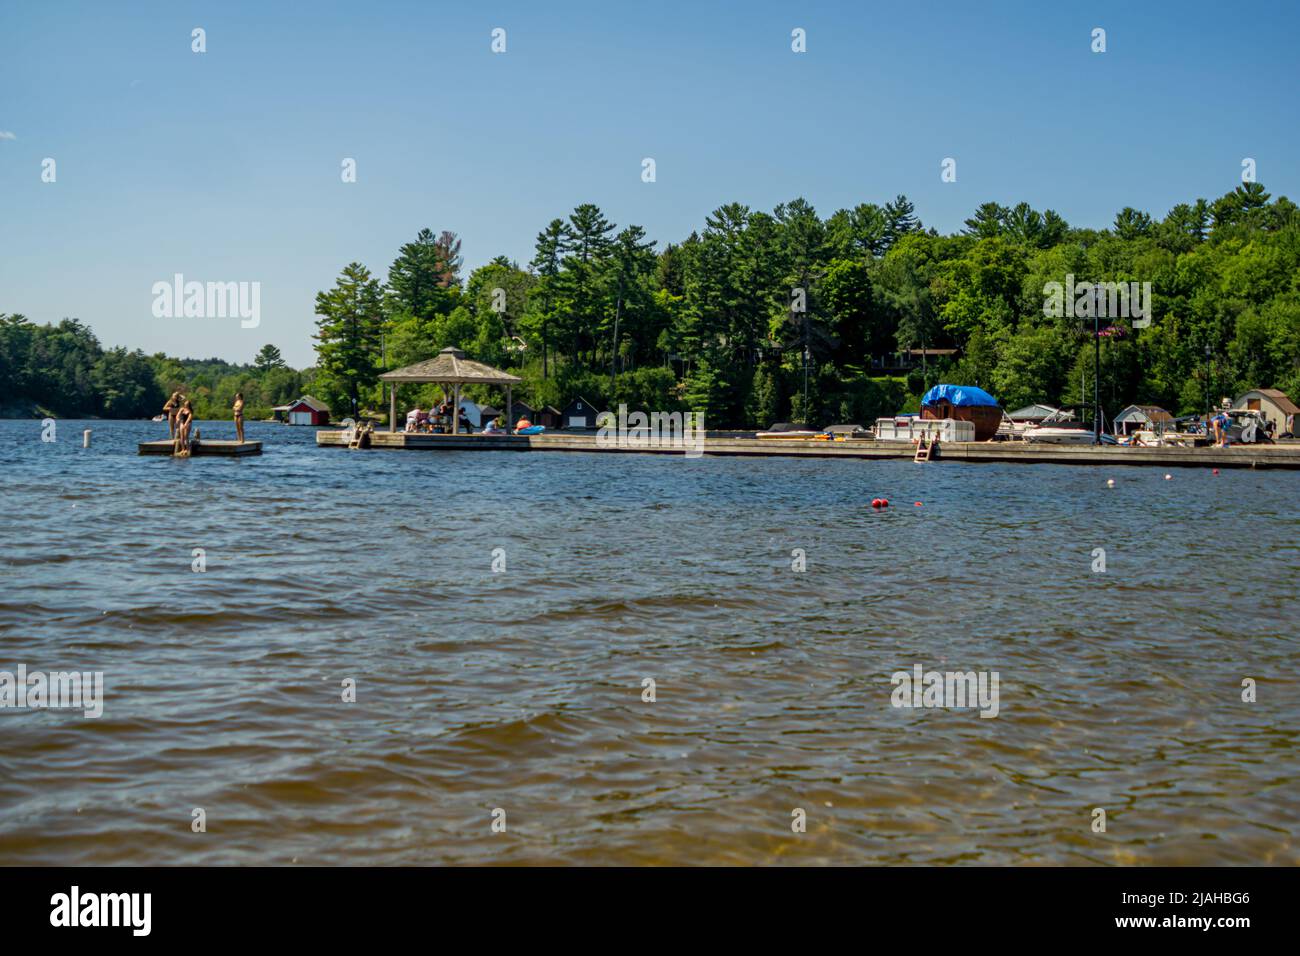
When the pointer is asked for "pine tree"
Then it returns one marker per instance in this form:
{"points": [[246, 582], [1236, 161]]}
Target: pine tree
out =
{"points": [[268, 358], [348, 334], [552, 245]]}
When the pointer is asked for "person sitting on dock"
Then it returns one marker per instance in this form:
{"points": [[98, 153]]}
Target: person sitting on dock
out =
{"points": [[494, 428], [184, 421], [238, 409]]}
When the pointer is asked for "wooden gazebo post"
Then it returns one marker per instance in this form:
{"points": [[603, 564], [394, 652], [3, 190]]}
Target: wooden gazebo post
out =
{"points": [[510, 412], [455, 408], [392, 407]]}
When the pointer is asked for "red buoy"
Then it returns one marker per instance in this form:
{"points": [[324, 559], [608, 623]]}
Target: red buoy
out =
{"points": [[1216, 471], [876, 502], [918, 504]]}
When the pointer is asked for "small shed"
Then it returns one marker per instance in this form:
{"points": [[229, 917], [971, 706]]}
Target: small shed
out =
{"points": [[523, 410], [549, 416], [1276, 407], [1142, 417], [305, 411], [579, 413], [473, 413]]}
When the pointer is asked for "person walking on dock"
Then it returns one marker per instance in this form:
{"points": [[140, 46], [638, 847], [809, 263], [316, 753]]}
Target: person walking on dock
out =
{"points": [[238, 409]]}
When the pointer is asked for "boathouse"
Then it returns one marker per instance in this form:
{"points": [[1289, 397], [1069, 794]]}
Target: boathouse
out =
{"points": [[1143, 417], [1276, 407], [579, 413], [305, 411], [523, 411]]}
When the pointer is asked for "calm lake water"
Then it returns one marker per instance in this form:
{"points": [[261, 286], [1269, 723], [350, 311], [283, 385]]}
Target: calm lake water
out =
{"points": [[522, 690]]}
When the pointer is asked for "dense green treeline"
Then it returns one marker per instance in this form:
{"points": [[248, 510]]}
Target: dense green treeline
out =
{"points": [[744, 315], [63, 370], [755, 310]]}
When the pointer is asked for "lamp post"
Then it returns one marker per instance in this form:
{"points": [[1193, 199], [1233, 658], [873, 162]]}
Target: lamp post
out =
{"points": [[1098, 297], [1209, 409]]}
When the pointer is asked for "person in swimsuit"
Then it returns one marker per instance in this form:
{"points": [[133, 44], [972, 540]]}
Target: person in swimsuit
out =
{"points": [[184, 419], [170, 409], [239, 417]]}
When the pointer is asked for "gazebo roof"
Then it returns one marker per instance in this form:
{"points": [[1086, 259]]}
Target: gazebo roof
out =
{"points": [[450, 367]]}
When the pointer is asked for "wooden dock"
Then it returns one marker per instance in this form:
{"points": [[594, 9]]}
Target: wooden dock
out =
{"points": [[227, 449], [1282, 455]]}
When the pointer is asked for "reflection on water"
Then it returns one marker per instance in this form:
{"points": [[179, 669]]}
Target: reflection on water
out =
{"points": [[523, 690]]}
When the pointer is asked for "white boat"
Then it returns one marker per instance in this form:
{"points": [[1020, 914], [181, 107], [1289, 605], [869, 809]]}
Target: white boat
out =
{"points": [[1062, 428]]}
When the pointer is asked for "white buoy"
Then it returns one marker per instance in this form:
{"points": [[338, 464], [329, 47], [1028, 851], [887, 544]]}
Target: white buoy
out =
{"points": [[1169, 477], [1110, 482], [85, 438]]}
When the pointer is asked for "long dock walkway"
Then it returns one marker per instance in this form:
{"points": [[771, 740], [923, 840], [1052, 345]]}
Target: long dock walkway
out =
{"points": [[1282, 455]]}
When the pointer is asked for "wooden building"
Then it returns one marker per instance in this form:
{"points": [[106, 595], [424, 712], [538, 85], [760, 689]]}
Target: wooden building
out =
{"points": [[1143, 417], [305, 411], [579, 413], [1276, 407]]}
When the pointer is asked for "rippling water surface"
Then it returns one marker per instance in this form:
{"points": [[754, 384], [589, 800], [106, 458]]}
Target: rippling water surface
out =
{"points": [[522, 690]]}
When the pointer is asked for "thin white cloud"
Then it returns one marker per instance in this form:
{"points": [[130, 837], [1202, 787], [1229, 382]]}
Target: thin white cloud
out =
{"points": [[5, 134]]}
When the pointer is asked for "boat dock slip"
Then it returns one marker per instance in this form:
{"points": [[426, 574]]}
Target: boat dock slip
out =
{"points": [[226, 449], [1285, 455]]}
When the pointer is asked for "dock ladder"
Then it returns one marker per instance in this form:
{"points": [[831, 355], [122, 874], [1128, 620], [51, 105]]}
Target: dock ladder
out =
{"points": [[925, 448], [360, 437]]}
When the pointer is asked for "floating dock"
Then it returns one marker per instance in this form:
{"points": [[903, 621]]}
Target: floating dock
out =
{"points": [[227, 449], [1284, 455]]}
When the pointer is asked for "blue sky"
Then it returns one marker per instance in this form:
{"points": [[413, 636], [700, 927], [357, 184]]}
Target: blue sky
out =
{"points": [[225, 166]]}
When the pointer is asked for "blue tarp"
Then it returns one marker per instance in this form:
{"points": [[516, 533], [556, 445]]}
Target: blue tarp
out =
{"points": [[959, 395]]}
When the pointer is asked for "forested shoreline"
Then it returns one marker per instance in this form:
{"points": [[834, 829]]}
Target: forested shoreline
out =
{"points": [[61, 369], [730, 320], [746, 315]]}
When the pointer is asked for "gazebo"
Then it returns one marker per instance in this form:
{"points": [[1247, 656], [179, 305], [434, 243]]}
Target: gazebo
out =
{"points": [[449, 367]]}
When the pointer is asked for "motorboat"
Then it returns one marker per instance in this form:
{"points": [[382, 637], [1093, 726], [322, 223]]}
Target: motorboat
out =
{"points": [[1067, 426]]}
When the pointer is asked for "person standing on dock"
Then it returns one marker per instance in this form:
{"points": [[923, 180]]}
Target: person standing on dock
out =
{"points": [[170, 410], [184, 419], [238, 409]]}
